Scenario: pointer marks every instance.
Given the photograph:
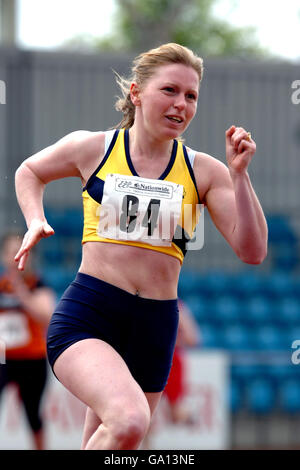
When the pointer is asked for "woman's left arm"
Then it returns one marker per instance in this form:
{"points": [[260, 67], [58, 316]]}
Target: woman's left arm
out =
{"points": [[232, 202]]}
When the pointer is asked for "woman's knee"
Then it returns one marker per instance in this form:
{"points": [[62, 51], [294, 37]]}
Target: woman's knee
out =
{"points": [[130, 426]]}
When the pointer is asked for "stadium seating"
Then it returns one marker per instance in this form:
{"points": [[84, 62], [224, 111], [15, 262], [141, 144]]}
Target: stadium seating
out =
{"points": [[201, 307], [237, 338], [52, 251], [189, 284], [280, 229], [260, 396], [215, 283], [287, 311], [226, 309], [236, 396], [257, 310], [66, 222], [246, 284], [268, 338], [278, 284], [58, 278], [289, 396], [280, 369], [245, 372], [255, 318], [210, 337]]}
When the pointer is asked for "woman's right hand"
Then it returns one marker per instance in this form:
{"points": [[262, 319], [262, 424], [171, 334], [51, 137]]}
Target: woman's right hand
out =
{"points": [[38, 229]]}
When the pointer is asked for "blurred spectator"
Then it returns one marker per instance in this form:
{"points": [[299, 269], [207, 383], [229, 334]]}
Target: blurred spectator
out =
{"points": [[175, 390], [26, 305]]}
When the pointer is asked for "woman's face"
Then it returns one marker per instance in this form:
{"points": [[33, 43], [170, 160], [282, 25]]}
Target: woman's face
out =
{"points": [[168, 100]]}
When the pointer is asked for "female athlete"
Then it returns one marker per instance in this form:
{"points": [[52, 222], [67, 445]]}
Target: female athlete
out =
{"points": [[112, 335]]}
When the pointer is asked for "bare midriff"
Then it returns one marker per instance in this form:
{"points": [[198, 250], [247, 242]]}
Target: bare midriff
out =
{"points": [[139, 271]]}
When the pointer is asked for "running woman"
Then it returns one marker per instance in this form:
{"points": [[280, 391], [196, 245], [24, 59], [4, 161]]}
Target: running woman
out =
{"points": [[112, 335]]}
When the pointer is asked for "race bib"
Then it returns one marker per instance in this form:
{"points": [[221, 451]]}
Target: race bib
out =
{"points": [[139, 209], [14, 331]]}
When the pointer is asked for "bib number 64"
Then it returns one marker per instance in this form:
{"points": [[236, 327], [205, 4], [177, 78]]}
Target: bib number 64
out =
{"points": [[128, 216]]}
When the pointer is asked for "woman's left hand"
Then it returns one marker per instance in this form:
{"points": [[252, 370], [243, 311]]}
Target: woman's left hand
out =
{"points": [[240, 148]]}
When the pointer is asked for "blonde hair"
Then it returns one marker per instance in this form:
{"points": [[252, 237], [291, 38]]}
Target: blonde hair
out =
{"points": [[144, 66]]}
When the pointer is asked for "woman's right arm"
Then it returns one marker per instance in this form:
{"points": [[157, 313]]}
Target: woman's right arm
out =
{"points": [[76, 154]]}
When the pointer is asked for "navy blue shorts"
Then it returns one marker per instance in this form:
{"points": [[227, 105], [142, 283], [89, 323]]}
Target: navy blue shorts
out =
{"points": [[143, 331]]}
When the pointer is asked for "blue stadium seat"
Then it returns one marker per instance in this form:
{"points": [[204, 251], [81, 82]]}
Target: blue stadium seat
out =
{"points": [[246, 371], [246, 284], [58, 278], [52, 250], [200, 308], [236, 338], [55, 217], [280, 229], [285, 256], [190, 283], [210, 337], [260, 396], [291, 334], [296, 286], [215, 283], [278, 284], [72, 222], [288, 311], [280, 371], [236, 396], [258, 310], [269, 338], [66, 222], [289, 396], [226, 309]]}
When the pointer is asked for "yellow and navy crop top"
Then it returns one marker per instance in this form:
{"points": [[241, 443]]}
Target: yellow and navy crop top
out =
{"points": [[122, 207]]}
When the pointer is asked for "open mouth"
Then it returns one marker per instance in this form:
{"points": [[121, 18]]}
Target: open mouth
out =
{"points": [[175, 119]]}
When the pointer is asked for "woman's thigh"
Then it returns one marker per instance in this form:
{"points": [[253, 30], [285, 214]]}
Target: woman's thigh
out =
{"points": [[96, 374]]}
